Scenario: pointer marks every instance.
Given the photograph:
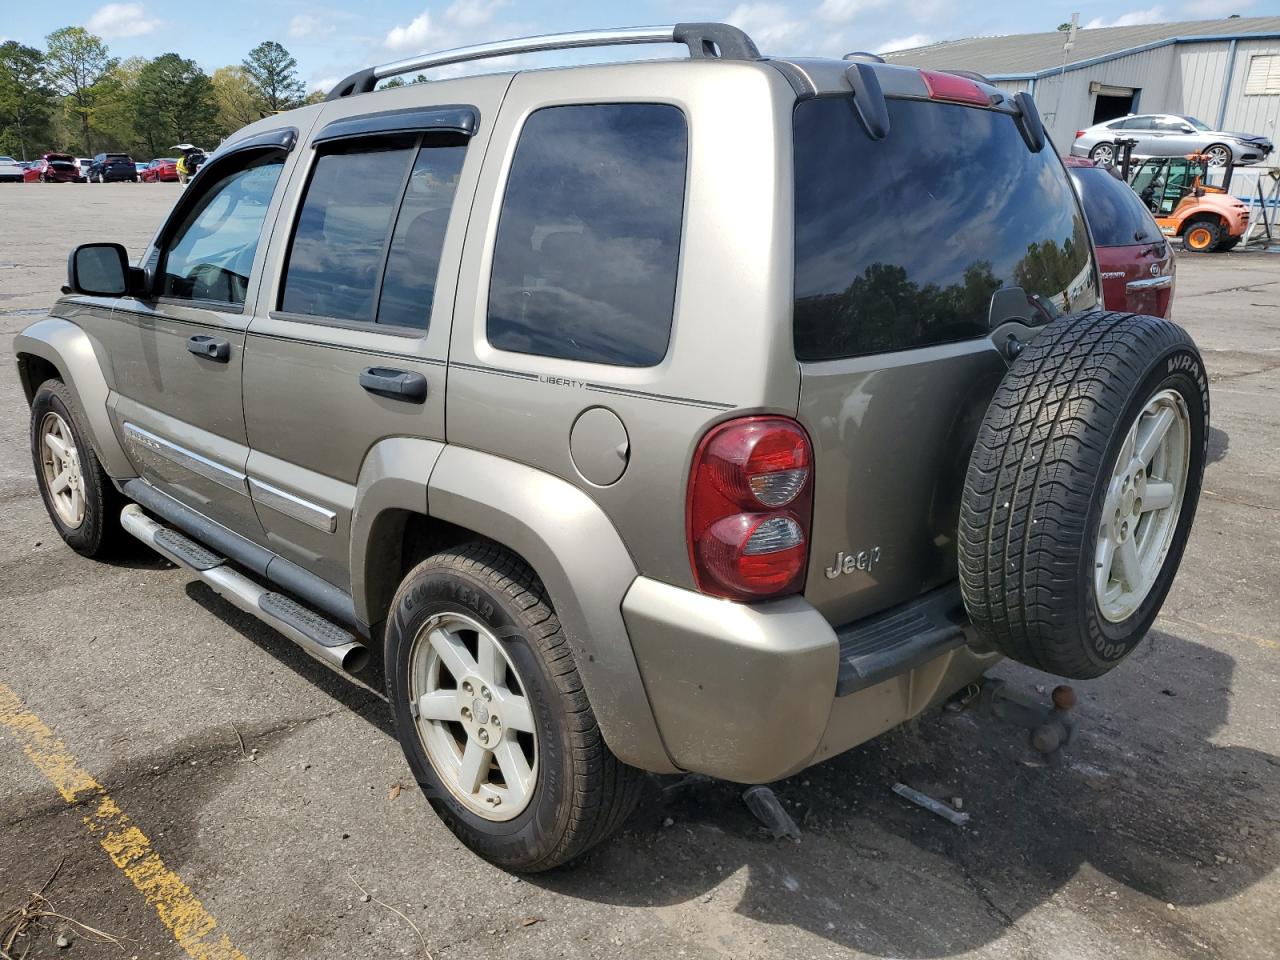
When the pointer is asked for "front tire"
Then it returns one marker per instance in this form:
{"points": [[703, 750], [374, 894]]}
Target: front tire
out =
{"points": [[1218, 155], [1082, 489], [1201, 236], [77, 493], [492, 716]]}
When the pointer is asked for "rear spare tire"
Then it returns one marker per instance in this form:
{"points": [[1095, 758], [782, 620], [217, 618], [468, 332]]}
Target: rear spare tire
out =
{"points": [[1081, 490]]}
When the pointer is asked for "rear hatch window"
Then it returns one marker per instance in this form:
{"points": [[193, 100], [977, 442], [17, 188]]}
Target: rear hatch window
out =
{"points": [[901, 242], [899, 245], [1116, 216]]}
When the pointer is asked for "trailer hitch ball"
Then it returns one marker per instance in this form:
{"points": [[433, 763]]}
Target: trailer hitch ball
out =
{"points": [[1055, 732]]}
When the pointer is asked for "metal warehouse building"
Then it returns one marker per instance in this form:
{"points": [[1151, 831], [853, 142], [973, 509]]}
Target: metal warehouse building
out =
{"points": [[1224, 72]]}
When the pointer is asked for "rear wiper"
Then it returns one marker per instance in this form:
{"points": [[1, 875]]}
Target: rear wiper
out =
{"points": [[868, 100]]}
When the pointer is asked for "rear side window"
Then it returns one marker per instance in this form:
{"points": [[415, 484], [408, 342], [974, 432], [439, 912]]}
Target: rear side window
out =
{"points": [[900, 243], [584, 266], [1116, 216], [368, 239]]}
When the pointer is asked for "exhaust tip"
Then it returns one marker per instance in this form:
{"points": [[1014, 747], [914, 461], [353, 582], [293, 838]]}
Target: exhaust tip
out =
{"points": [[355, 659]]}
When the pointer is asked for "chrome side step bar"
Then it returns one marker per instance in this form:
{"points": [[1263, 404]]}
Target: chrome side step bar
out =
{"points": [[322, 639]]}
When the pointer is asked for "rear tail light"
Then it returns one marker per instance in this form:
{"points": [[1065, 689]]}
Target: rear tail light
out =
{"points": [[749, 508], [1079, 134], [948, 86]]}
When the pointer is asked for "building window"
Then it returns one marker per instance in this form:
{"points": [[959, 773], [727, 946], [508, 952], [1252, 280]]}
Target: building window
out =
{"points": [[1264, 74]]}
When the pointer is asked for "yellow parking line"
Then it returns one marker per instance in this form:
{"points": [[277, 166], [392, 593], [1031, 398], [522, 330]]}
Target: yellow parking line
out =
{"points": [[192, 926]]}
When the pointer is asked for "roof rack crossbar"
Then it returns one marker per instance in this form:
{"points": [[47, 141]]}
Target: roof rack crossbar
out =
{"points": [[704, 40]]}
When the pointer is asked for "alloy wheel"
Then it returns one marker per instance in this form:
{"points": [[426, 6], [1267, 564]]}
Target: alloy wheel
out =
{"points": [[1142, 505], [60, 463], [1218, 156], [1104, 154], [473, 716]]}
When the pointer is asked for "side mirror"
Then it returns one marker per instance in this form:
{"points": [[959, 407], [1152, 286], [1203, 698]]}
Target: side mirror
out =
{"points": [[103, 270], [1186, 128]]}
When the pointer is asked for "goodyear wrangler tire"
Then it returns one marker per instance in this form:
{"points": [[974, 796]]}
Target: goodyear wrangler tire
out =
{"points": [[1081, 490]]}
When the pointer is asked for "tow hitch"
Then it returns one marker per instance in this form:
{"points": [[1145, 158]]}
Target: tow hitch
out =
{"points": [[1050, 727]]}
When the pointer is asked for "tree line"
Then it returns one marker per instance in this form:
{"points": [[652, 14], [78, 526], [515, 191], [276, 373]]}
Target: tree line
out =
{"points": [[74, 97]]}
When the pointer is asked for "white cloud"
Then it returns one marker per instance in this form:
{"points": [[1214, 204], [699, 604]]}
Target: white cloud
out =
{"points": [[1214, 9], [307, 25], [1133, 18], [842, 11], [906, 43], [411, 37], [463, 22], [472, 13], [117, 20], [767, 24]]}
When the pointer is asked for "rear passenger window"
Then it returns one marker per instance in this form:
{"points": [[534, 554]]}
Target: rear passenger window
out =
{"points": [[368, 239], [584, 266]]}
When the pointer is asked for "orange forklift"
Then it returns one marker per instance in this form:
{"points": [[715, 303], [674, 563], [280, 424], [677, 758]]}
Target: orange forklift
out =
{"points": [[1206, 217]]}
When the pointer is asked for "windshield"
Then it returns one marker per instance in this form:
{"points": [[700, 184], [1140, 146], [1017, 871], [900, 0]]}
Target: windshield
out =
{"points": [[1116, 216], [1198, 124], [900, 243]]}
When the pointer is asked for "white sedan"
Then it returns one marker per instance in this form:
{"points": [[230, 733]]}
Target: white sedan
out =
{"points": [[10, 170]]}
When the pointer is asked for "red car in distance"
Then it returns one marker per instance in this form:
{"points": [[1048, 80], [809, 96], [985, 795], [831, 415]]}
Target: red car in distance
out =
{"points": [[163, 170], [54, 168], [1134, 258]]}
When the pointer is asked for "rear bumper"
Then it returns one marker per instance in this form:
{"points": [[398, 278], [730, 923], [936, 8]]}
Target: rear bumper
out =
{"points": [[753, 693]]}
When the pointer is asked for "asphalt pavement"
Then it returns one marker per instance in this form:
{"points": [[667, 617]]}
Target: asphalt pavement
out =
{"points": [[177, 776]]}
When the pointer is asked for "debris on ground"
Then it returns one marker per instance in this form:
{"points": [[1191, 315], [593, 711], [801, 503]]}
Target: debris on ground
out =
{"points": [[930, 804], [366, 896], [530, 921], [19, 924], [763, 803], [394, 791]]}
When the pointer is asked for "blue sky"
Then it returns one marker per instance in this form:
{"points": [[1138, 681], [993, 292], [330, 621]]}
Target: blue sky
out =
{"points": [[330, 41]]}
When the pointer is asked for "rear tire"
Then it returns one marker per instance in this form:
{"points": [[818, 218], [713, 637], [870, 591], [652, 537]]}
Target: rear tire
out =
{"points": [[1201, 236], [480, 597], [1055, 477], [1104, 154], [90, 522]]}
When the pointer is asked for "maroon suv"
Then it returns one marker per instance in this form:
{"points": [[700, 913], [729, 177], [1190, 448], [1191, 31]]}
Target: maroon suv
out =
{"points": [[54, 168], [1134, 259]]}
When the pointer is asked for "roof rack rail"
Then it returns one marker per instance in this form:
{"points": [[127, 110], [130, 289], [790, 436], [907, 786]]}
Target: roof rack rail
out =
{"points": [[704, 40]]}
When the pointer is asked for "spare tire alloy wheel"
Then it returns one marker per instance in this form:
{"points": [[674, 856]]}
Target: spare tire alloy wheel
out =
{"points": [[60, 468], [472, 716], [1082, 489], [1140, 513]]}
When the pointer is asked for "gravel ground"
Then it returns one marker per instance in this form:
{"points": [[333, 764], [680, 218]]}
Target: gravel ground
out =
{"points": [[1158, 838]]}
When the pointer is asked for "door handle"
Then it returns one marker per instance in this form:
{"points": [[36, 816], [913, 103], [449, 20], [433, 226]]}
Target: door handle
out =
{"points": [[211, 348], [395, 384]]}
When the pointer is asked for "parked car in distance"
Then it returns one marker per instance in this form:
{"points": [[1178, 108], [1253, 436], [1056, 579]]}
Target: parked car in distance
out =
{"points": [[83, 164], [683, 518], [54, 168], [165, 169], [10, 170], [139, 166], [1169, 135], [112, 167], [1134, 259]]}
